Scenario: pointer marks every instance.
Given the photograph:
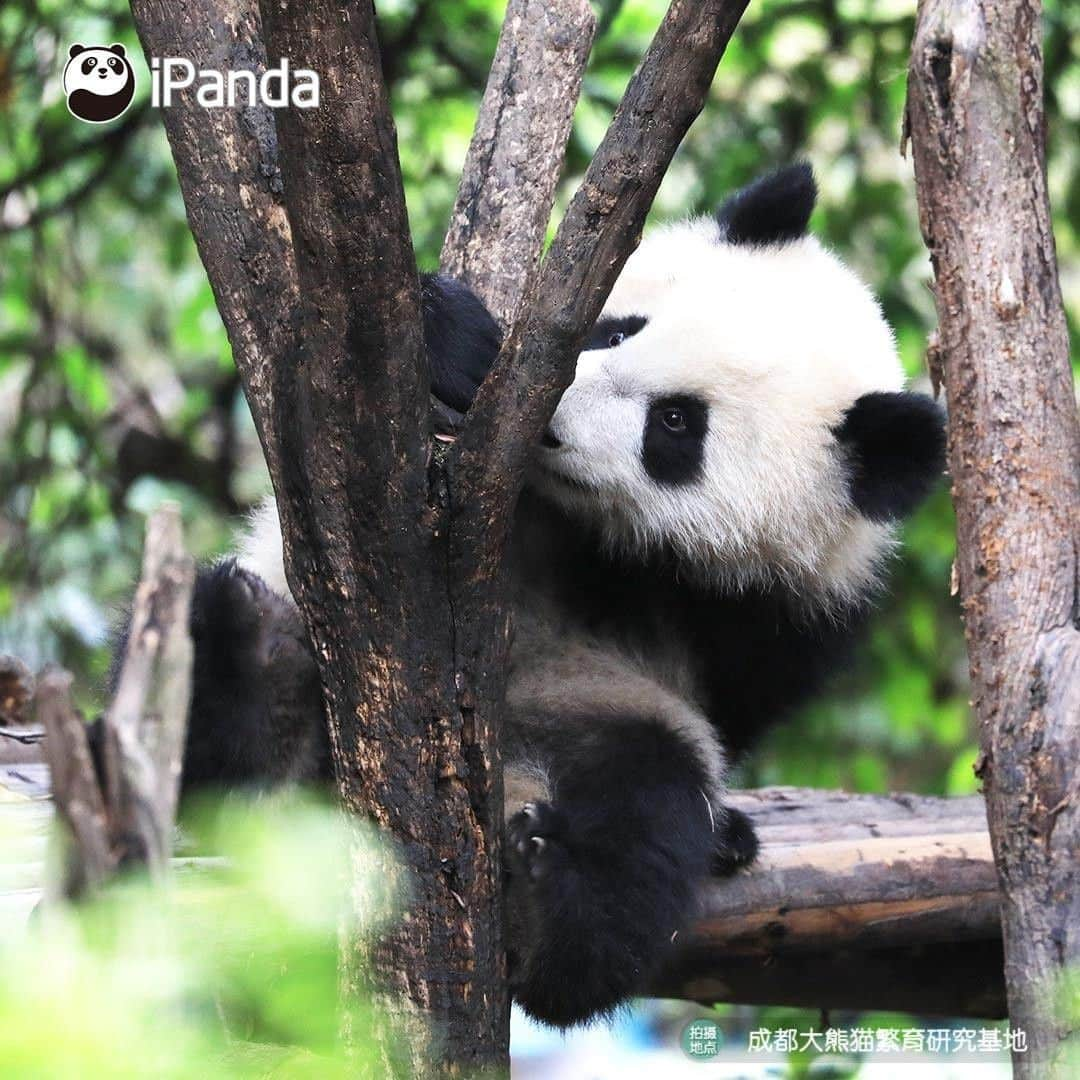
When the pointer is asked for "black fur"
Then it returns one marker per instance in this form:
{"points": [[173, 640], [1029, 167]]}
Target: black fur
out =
{"points": [[255, 677], [611, 333], [772, 210], [461, 337], [896, 448], [606, 873], [256, 704], [675, 456], [754, 655]]}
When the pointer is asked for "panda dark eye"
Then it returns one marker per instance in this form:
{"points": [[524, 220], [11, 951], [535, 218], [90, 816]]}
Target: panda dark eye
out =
{"points": [[674, 420], [114, 64], [616, 339], [673, 443], [88, 65]]}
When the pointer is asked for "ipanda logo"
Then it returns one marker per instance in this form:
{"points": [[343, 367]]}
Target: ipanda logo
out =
{"points": [[99, 84]]}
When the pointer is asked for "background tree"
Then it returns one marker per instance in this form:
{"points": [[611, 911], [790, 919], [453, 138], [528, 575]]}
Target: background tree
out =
{"points": [[1002, 351]]}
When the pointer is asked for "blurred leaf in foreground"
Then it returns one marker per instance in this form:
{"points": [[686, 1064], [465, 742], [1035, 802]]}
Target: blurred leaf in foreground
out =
{"points": [[230, 971]]}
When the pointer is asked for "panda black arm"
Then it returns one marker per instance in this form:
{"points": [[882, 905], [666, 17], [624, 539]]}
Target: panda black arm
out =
{"points": [[461, 337]]}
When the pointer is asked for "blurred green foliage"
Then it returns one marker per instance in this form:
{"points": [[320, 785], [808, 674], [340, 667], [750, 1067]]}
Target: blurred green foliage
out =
{"points": [[231, 971], [117, 387]]}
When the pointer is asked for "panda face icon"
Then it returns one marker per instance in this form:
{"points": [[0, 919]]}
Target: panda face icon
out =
{"points": [[99, 82]]}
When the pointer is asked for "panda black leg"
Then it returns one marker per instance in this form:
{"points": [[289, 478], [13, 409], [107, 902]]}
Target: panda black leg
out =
{"points": [[256, 711], [607, 873]]}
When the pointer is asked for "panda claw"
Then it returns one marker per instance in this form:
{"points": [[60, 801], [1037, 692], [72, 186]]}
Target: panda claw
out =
{"points": [[532, 835]]}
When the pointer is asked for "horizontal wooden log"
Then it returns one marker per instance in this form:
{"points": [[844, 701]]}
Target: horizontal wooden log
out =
{"points": [[855, 901], [947, 979]]}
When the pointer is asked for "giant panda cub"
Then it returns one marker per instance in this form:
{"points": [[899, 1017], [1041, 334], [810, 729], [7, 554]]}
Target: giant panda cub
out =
{"points": [[703, 532]]}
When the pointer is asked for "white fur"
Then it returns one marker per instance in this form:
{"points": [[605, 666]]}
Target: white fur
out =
{"points": [[779, 341], [261, 549]]}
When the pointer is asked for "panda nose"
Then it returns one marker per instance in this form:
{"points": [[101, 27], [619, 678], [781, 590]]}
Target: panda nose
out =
{"points": [[549, 440]]}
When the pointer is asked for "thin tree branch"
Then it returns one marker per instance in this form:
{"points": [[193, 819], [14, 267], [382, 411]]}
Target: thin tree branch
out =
{"points": [[507, 187], [54, 157]]}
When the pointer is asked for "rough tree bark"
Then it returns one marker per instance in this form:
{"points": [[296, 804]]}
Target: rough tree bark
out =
{"points": [[393, 549], [508, 182], [975, 119]]}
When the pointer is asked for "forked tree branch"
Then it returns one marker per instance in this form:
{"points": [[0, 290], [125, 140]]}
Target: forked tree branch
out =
{"points": [[975, 120], [507, 187], [601, 228], [233, 190], [352, 396]]}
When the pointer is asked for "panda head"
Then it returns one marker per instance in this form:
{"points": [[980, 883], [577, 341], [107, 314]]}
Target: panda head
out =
{"points": [[99, 82], [740, 404]]}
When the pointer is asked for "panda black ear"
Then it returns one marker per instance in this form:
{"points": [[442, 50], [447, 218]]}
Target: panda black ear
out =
{"points": [[75, 50], [119, 49], [772, 210], [896, 452]]}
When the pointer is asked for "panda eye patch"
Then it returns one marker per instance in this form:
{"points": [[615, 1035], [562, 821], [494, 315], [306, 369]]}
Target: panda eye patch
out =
{"points": [[673, 443], [114, 64], [88, 65], [609, 333]]}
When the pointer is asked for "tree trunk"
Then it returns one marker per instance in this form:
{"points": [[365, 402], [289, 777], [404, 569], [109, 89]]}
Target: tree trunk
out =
{"points": [[975, 120], [393, 546]]}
